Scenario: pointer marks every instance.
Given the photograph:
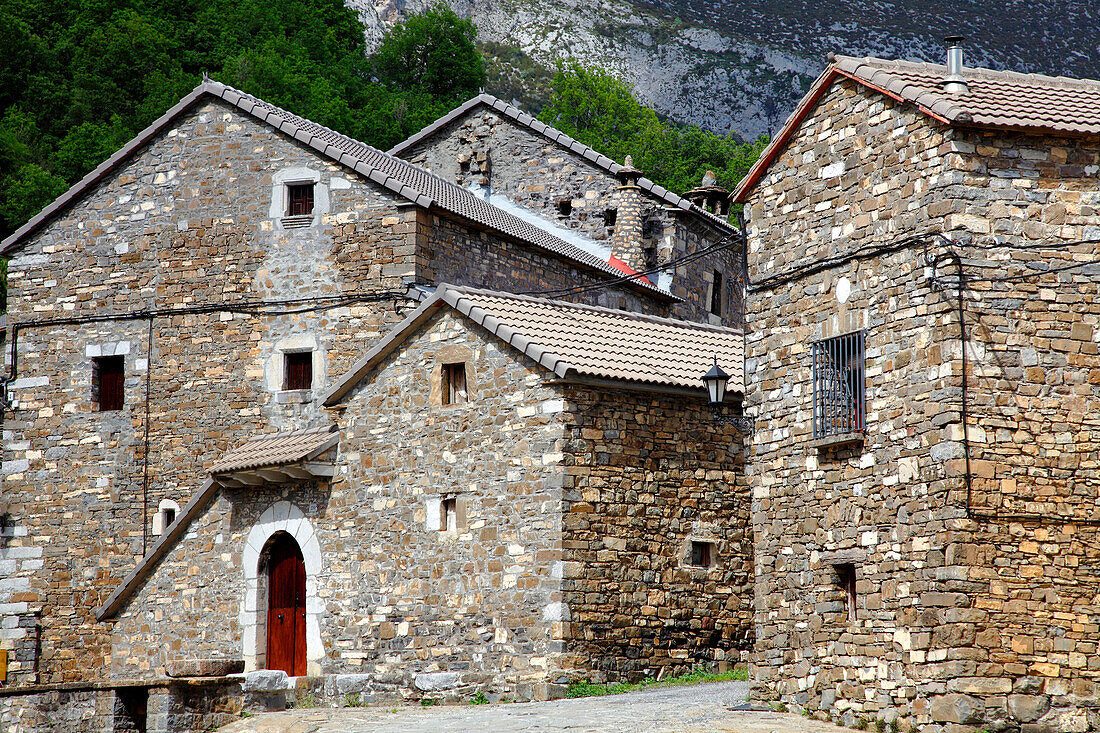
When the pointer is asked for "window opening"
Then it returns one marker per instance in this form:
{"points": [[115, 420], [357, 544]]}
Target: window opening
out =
{"points": [[169, 517], [298, 370], [716, 293], [840, 400], [448, 518], [454, 384], [565, 207], [108, 382], [846, 581], [702, 554], [299, 199], [610, 216]]}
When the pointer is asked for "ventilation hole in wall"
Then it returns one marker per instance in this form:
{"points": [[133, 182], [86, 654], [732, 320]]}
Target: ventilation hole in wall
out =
{"points": [[565, 207]]}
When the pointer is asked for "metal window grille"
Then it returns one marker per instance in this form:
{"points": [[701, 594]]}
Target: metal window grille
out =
{"points": [[840, 400], [300, 197]]}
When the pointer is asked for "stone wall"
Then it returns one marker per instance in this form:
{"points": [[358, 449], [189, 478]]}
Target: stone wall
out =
{"points": [[959, 619], [179, 706], [645, 475], [396, 596], [458, 258], [194, 220], [186, 222], [485, 149]]}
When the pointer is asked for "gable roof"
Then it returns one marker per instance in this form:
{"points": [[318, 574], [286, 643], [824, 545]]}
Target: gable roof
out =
{"points": [[560, 138], [1005, 100], [277, 449], [404, 179], [576, 341]]}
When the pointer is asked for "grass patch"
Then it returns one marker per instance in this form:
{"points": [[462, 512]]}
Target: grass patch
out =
{"points": [[697, 676]]}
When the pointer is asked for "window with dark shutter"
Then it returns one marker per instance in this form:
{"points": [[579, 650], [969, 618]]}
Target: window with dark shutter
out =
{"points": [[300, 199], [108, 381], [716, 294], [298, 371], [454, 384], [702, 554]]}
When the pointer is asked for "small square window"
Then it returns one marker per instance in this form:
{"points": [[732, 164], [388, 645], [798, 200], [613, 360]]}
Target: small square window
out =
{"points": [[610, 216], [454, 384], [565, 207], [448, 515], [299, 199], [298, 370], [702, 554], [108, 382], [716, 293], [846, 581]]}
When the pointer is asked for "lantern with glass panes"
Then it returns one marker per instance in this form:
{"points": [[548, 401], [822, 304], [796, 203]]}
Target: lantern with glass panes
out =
{"points": [[716, 380]]}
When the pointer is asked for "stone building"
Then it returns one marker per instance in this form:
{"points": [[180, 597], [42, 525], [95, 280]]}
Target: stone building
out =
{"points": [[491, 147], [922, 366], [503, 502], [205, 287]]}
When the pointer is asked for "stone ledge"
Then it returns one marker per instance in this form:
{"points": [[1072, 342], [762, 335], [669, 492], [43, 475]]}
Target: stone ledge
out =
{"points": [[838, 441], [203, 667]]}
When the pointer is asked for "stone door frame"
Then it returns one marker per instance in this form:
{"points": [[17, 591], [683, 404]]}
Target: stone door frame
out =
{"points": [[282, 516]]}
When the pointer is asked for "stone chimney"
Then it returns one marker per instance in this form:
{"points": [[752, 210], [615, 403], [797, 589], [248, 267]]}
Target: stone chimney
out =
{"points": [[709, 196], [626, 241]]}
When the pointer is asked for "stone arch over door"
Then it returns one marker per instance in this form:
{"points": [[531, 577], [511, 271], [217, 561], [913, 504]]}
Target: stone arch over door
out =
{"points": [[283, 516]]}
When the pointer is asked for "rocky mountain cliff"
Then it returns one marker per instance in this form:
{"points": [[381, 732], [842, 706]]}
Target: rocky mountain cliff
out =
{"points": [[741, 66]]}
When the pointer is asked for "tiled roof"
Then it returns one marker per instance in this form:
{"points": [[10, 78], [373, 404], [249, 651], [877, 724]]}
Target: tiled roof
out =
{"points": [[578, 340], [407, 180], [277, 449], [557, 136], [995, 99]]}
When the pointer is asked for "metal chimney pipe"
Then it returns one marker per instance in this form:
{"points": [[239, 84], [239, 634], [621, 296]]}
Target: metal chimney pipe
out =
{"points": [[954, 82]]}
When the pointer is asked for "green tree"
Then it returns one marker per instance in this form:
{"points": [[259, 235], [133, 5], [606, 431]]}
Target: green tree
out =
{"points": [[434, 53], [600, 110]]}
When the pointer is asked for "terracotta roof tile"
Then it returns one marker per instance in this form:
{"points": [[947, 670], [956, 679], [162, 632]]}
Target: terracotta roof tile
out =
{"points": [[995, 98], [576, 340], [604, 343], [277, 449]]}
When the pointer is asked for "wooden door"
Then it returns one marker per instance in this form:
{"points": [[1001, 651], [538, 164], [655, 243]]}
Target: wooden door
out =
{"points": [[286, 607]]}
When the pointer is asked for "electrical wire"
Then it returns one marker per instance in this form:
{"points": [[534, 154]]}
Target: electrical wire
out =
{"points": [[254, 308]]}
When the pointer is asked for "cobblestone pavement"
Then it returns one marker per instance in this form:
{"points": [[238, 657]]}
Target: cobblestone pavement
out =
{"points": [[706, 708]]}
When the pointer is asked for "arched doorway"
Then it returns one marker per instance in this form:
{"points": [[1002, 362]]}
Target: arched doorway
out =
{"points": [[286, 605]]}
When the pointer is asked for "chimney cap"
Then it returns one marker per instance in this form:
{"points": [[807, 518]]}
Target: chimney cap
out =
{"points": [[954, 82], [628, 175]]}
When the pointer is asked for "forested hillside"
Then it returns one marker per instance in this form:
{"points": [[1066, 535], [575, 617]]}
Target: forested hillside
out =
{"points": [[77, 80]]}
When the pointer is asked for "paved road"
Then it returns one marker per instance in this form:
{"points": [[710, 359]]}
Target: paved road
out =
{"points": [[708, 708]]}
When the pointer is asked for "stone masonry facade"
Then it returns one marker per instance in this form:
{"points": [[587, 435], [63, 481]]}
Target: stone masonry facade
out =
{"points": [[973, 609], [546, 575], [193, 221], [645, 475], [485, 149]]}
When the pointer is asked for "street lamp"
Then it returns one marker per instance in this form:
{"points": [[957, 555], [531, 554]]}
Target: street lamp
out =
{"points": [[716, 380]]}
